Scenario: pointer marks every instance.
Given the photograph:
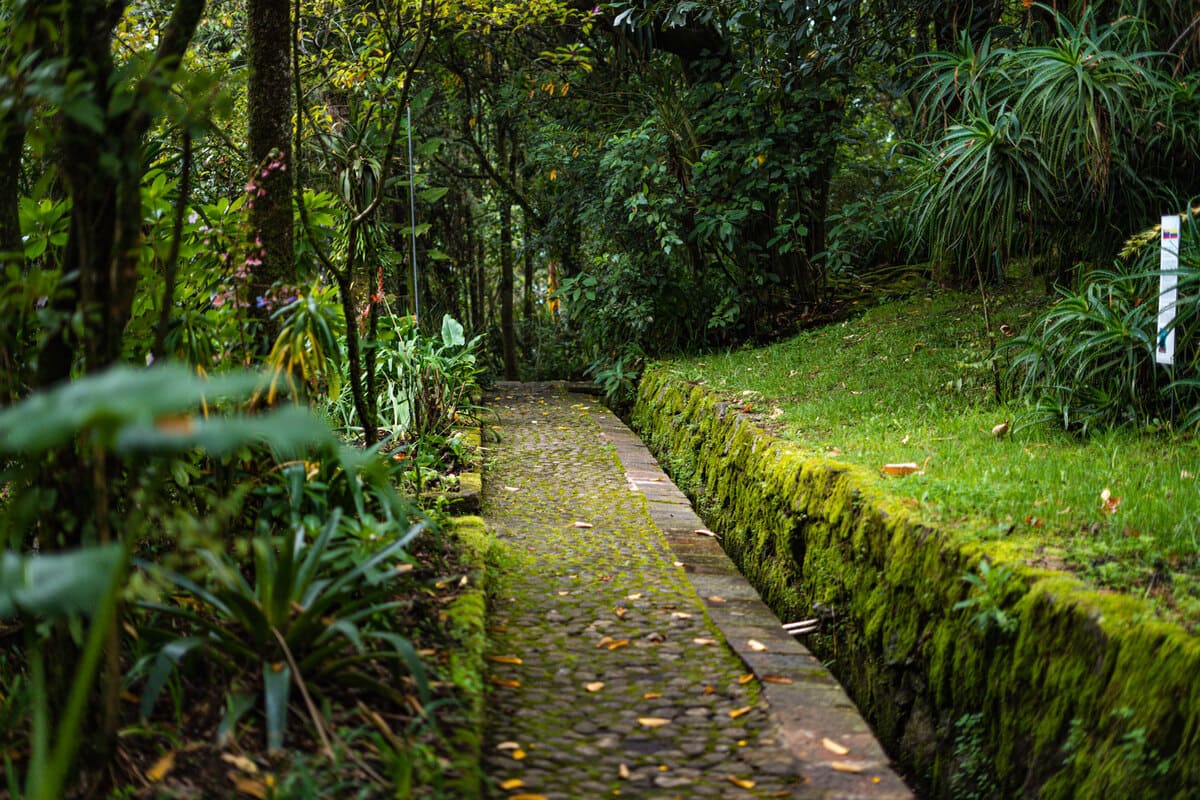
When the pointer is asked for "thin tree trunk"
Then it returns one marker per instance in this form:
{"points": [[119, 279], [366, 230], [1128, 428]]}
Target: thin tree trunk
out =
{"points": [[507, 334], [11, 143], [269, 131]]}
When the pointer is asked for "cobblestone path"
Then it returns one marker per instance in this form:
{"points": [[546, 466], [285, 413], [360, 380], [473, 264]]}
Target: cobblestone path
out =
{"points": [[607, 676]]}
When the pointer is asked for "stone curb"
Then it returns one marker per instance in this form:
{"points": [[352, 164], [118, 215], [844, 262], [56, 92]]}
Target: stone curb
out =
{"points": [[806, 701]]}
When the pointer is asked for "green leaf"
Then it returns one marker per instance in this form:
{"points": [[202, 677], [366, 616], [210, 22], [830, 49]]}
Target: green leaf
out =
{"points": [[291, 431], [109, 401], [452, 332], [236, 706], [433, 194], [277, 687], [164, 664], [57, 585]]}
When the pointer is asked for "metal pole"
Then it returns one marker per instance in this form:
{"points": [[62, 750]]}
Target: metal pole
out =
{"points": [[412, 211]]}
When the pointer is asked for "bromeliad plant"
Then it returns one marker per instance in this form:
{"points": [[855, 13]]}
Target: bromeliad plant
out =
{"points": [[313, 616]]}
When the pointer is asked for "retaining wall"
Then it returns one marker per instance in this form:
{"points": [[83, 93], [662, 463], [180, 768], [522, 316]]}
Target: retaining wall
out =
{"points": [[1088, 696]]}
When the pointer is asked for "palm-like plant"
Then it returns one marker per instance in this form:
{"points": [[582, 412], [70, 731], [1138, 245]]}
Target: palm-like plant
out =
{"points": [[980, 182], [1083, 94], [312, 617]]}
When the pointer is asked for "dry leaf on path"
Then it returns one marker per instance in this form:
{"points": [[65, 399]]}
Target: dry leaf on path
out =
{"points": [[505, 659], [756, 645], [518, 754], [834, 747], [578, 524], [604, 640], [594, 686], [716, 598], [637, 596], [702, 640], [904, 468], [737, 712], [652, 695], [161, 767], [507, 683], [776, 679], [508, 746], [511, 783], [511, 489], [623, 772], [618, 643], [527, 796], [741, 783], [704, 532], [744, 679], [847, 766], [653, 722]]}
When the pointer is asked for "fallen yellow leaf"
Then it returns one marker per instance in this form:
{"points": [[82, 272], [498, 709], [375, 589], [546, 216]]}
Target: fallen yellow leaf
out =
{"points": [[741, 783], [594, 686], [618, 643], [241, 762], [583, 525], [776, 679], [835, 747], [703, 640], [623, 772], [637, 596], [846, 766], [508, 746], [251, 786], [651, 695], [518, 754], [604, 640], [511, 783], [744, 679], [756, 645], [716, 598], [737, 712], [507, 683], [527, 796], [505, 659], [161, 767], [619, 611], [653, 722], [905, 468]]}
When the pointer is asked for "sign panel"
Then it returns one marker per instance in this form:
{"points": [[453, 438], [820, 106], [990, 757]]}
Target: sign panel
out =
{"points": [[1168, 265]]}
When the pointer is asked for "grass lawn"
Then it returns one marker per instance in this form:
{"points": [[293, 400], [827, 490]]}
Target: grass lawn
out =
{"points": [[909, 381]]}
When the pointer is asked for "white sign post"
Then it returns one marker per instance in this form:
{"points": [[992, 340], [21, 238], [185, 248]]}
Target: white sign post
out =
{"points": [[1168, 265]]}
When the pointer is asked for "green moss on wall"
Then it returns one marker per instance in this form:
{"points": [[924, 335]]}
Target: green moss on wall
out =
{"points": [[1086, 696]]}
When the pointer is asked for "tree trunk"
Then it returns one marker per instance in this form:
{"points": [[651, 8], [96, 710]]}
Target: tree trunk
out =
{"points": [[12, 140], [507, 333], [269, 98]]}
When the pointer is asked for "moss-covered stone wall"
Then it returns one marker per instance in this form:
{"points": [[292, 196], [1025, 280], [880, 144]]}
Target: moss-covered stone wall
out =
{"points": [[1040, 688]]}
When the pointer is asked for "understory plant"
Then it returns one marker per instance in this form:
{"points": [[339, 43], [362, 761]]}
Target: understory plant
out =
{"points": [[1089, 363], [426, 382], [136, 437], [313, 616]]}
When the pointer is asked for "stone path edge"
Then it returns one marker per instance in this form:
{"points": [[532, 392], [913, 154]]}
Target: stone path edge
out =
{"points": [[805, 700]]}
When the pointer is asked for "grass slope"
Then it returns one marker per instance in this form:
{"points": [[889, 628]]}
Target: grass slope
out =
{"points": [[909, 381]]}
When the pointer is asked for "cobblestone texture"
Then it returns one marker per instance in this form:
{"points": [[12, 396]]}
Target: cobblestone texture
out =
{"points": [[608, 676]]}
